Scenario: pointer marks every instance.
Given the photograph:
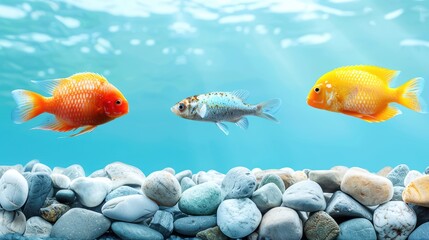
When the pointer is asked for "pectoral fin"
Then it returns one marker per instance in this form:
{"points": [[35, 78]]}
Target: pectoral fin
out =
{"points": [[202, 111], [223, 128], [84, 130]]}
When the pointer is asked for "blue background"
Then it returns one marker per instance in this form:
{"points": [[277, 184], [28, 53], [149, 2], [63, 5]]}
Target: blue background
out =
{"points": [[159, 52]]}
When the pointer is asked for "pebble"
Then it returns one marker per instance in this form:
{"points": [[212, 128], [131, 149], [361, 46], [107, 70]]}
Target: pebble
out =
{"points": [[163, 188], [203, 199], [4, 169], [368, 189], [357, 228], [304, 196], [12, 222], [239, 182], [427, 170], [186, 173], [420, 233], [321, 226], [124, 208], [73, 172], [384, 171], [281, 223], [60, 181], [13, 190], [289, 177], [394, 220], [213, 233], [79, 224], [329, 180], [37, 227], [122, 191], [266, 197], [98, 173], [65, 196], [170, 170], [397, 193], [411, 176], [238, 218], [272, 178], [135, 231], [29, 166], [190, 226], [341, 170], [91, 191], [40, 184], [398, 174], [41, 168], [422, 214], [342, 205], [162, 222], [124, 174], [54, 211], [417, 192], [186, 183], [209, 176]]}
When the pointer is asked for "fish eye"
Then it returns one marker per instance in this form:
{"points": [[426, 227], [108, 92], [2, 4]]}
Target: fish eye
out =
{"points": [[317, 90], [118, 102], [181, 107]]}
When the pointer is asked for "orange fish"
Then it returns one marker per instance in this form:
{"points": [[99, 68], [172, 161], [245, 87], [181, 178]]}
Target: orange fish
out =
{"points": [[364, 92], [83, 100]]}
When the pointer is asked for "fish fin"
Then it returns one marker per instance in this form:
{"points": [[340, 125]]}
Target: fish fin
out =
{"points": [[48, 85], [243, 123], [223, 127], [388, 113], [55, 124], [30, 105], [84, 130], [242, 94], [268, 108], [409, 95], [202, 111], [385, 74], [89, 75]]}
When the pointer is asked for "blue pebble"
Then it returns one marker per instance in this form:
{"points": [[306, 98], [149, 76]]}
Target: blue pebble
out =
{"points": [[40, 185], [190, 226], [65, 196], [398, 174], [422, 214], [121, 191], [135, 231], [358, 228], [420, 233]]}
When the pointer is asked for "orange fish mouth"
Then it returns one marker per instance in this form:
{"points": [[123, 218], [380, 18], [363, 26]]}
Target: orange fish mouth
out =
{"points": [[313, 103]]}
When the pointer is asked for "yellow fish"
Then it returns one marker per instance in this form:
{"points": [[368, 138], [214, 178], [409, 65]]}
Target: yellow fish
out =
{"points": [[364, 92]]}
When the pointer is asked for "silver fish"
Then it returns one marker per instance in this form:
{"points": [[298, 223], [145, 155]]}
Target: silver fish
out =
{"points": [[219, 107]]}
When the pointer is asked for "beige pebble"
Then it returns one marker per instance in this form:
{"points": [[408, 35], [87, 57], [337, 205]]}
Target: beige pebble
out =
{"points": [[417, 192]]}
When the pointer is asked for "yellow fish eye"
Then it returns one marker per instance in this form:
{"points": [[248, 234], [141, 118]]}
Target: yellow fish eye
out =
{"points": [[316, 90]]}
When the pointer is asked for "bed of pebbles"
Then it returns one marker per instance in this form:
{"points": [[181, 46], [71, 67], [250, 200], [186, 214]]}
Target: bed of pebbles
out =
{"points": [[120, 202]]}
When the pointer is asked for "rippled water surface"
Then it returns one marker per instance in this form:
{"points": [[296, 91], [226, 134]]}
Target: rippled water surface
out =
{"points": [[159, 52]]}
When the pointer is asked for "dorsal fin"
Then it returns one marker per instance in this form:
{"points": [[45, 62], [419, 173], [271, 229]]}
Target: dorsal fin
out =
{"points": [[383, 73], [88, 75], [242, 94], [48, 85]]}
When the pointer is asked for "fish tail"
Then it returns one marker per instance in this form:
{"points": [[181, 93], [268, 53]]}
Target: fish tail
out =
{"points": [[268, 108], [30, 105], [409, 95]]}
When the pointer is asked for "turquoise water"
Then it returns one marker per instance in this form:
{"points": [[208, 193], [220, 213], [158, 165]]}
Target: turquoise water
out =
{"points": [[159, 52]]}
